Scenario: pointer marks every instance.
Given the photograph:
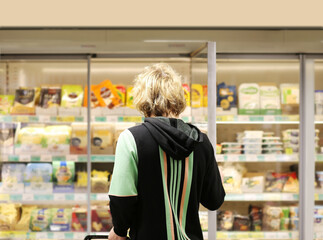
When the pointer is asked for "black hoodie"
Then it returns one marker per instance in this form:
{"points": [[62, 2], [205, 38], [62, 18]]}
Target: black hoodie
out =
{"points": [[164, 169]]}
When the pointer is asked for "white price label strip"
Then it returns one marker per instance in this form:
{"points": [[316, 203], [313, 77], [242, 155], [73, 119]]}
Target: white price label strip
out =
{"points": [[41, 235], [59, 236], [72, 158], [269, 118], [44, 118], [102, 197], [79, 235], [59, 197], [112, 118], [28, 197], [24, 158], [45, 158], [80, 197], [242, 118]]}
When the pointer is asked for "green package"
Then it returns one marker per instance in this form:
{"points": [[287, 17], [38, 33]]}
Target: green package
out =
{"points": [[63, 173], [40, 220], [61, 220], [72, 96], [6, 102]]}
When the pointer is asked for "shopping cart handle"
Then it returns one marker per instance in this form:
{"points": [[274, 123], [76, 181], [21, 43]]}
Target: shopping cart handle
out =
{"points": [[89, 237]]}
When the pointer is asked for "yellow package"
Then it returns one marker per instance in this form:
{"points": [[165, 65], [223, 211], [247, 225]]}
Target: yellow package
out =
{"points": [[58, 134], [30, 135], [100, 181], [6, 102], [121, 90], [102, 138], [129, 102], [107, 94], [72, 96], [79, 138], [25, 100], [81, 179], [205, 96], [197, 95], [187, 94], [94, 100], [23, 224], [9, 216]]}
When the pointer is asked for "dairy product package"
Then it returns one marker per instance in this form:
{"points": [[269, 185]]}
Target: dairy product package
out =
{"points": [[29, 139], [226, 99], [100, 181], [197, 95], [79, 218], [319, 102], [289, 98], [61, 220], [249, 97], [7, 135], [72, 96], [63, 176], [12, 178], [78, 138], [38, 178], [6, 102], [50, 97], [253, 183], [57, 139], [9, 216], [25, 101], [23, 224], [101, 220], [102, 138], [40, 220], [269, 100]]}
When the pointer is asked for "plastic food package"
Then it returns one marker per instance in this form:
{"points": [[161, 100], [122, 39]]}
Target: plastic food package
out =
{"points": [[7, 134], [249, 97], [57, 139], [94, 99], [187, 94], [253, 183], [61, 220], [101, 219], [102, 138], [79, 219], [275, 182], [291, 184], [269, 99], [23, 224], [121, 91], [40, 220], [225, 220], [241, 223], [231, 145], [289, 98], [78, 138], [232, 177], [72, 96], [227, 96], [50, 97], [63, 172], [255, 214], [197, 95], [25, 101], [9, 216], [81, 179], [13, 172], [107, 94], [6, 102], [100, 181], [38, 172]]}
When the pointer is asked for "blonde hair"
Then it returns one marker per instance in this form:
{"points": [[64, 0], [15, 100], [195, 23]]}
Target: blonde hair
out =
{"points": [[158, 91]]}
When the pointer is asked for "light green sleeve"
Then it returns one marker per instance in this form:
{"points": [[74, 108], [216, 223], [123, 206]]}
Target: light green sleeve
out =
{"points": [[125, 172]]}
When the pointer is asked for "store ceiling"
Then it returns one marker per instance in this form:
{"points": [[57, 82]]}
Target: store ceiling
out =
{"points": [[145, 41]]}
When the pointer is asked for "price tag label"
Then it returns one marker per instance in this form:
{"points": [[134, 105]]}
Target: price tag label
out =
{"points": [[269, 118], [288, 150], [78, 235], [136, 119], [4, 197], [260, 158], [242, 158], [22, 119], [44, 118], [113, 119], [46, 158], [243, 118], [41, 235], [69, 197], [250, 197], [270, 235], [65, 119], [80, 197], [59, 236], [234, 158], [72, 158], [24, 158], [59, 197], [287, 197], [16, 197], [251, 158], [102, 197], [220, 158], [28, 197]]}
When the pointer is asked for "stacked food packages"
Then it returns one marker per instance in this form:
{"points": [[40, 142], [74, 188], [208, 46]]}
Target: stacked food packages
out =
{"points": [[17, 217], [236, 179], [57, 177], [292, 141]]}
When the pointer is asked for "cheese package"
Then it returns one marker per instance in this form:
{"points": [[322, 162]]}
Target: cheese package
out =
{"points": [[81, 181], [129, 101], [121, 90], [249, 96], [100, 181], [102, 138], [29, 139], [107, 94], [289, 98], [9, 216], [61, 220], [63, 176], [79, 219], [253, 183], [101, 220], [6, 102], [40, 220], [72, 96], [23, 224], [78, 138], [7, 134], [38, 172], [50, 97], [57, 139], [13, 172], [269, 99], [197, 95], [93, 99], [187, 94], [25, 101]]}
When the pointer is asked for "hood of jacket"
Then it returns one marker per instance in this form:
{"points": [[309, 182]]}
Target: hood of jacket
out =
{"points": [[177, 138]]}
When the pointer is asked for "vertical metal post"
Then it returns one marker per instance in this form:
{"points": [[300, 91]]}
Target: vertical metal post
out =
{"points": [[89, 166], [307, 149], [211, 126]]}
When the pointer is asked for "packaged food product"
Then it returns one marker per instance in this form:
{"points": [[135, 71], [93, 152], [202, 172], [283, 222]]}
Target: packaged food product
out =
{"points": [[72, 96], [252, 146], [269, 99], [253, 183], [291, 185], [61, 220], [29, 139], [81, 179], [205, 96], [289, 98], [38, 172], [7, 134], [6, 102], [232, 177], [57, 139], [187, 94], [107, 94], [40, 220], [197, 95], [100, 181], [249, 96], [275, 182], [9, 216], [255, 214], [218, 149], [101, 219], [50, 97], [293, 212], [13, 172], [294, 224], [319, 102], [78, 138], [94, 99], [102, 138], [79, 219], [273, 211], [121, 91], [227, 96], [284, 224], [63, 172], [273, 151], [231, 145], [25, 101], [318, 224], [225, 220], [231, 151], [249, 140], [252, 151], [241, 223], [271, 140], [23, 224]]}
